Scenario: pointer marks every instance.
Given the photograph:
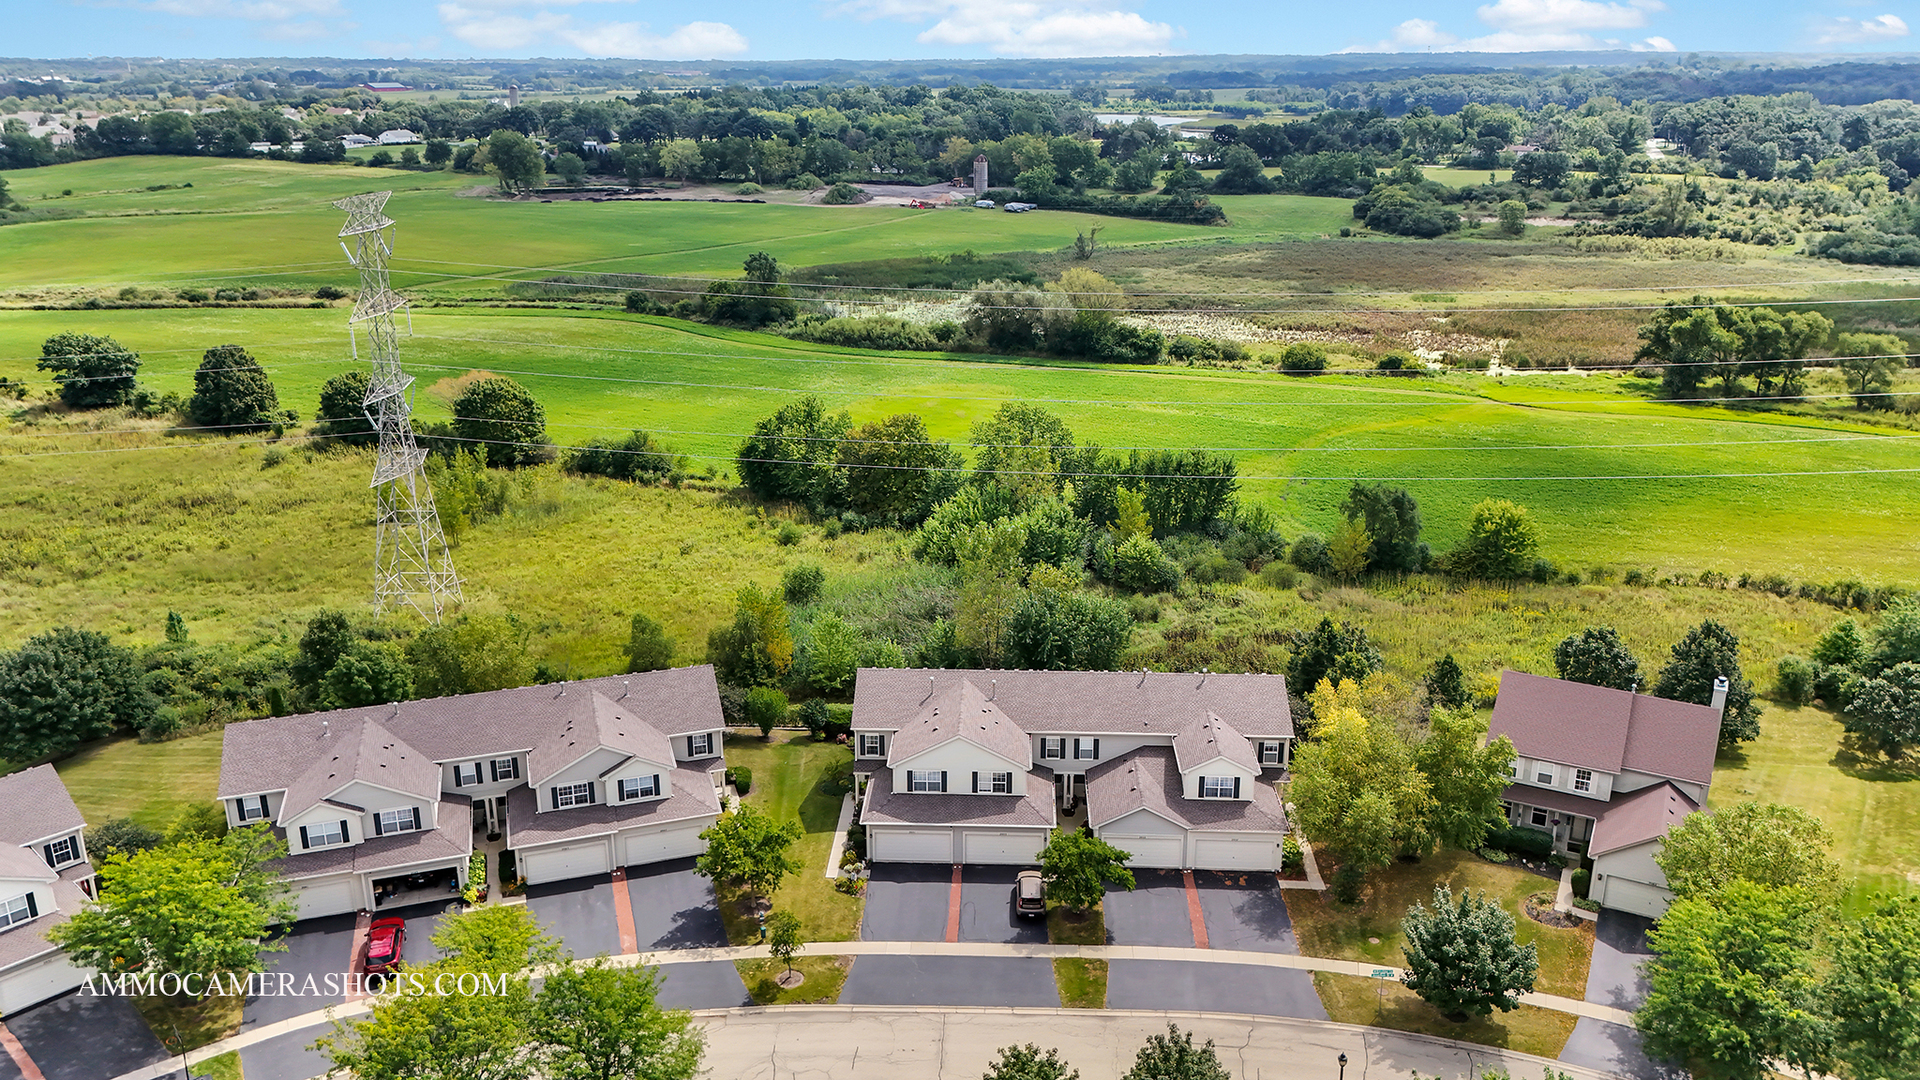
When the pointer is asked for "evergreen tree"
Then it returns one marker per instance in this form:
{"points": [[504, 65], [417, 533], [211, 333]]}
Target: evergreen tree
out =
{"points": [[1463, 958], [1708, 652], [1596, 656], [1447, 684], [231, 392]]}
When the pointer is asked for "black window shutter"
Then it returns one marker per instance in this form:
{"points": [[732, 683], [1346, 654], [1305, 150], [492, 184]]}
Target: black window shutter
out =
{"points": [[50, 859], [343, 833], [1236, 787], [556, 798], [689, 746], [33, 907], [590, 793], [240, 809], [494, 767], [656, 783], [378, 829], [976, 783], [263, 806], [943, 779], [513, 768], [1096, 749], [304, 844], [416, 812], [458, 772]]}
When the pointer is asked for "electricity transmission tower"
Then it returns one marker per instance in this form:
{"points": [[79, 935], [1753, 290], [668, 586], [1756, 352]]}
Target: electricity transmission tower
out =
{"points": [[411, 563]]}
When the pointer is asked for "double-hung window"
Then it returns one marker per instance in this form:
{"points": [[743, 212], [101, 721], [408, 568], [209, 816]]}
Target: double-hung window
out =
{"points": [[871, 744], [1543, 774], [639, 787], [1219, 787], [506, 768], [63, 851], [466, 773], [999, 783], [1269, 753], [1086, 749], [17, 910], [1539, 817], [388, 822], [567, 795], [1583, 779], [324, 834], [933, 780], [250, 808], [700, 745]]}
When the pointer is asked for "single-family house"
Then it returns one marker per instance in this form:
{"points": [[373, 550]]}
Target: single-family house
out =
{"points": [[578, 777], [396, 137], [968, 766], [44, 878], [355, 140], [385, 87], [1607, 772]]}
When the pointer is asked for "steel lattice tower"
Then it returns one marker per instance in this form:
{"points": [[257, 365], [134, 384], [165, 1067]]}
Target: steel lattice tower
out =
{"points": [[411, 563]]}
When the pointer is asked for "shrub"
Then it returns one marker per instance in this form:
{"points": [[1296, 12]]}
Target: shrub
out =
{"points": [[842, 194], [1303, 358], [1292, 858], [788, 535], [806, 181], [1522, 840], [1582, 880], [1310, 554], [1585, 904], [801, 584], [742, 778], [871, 332], [324, 292], [766, 708], [1796, 678], [1494, 855], [814, 714], [748, 188], [1140, 565]]}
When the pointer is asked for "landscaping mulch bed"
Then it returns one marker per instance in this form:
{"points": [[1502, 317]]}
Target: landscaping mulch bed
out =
{"points": [[1539, 908]]}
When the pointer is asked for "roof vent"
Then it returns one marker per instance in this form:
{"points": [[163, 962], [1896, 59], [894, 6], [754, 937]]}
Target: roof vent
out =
{"points": [[1203, 676], [326, 728], [625, 688]]}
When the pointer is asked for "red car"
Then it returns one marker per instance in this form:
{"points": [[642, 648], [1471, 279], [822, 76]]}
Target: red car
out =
{"points": [[383, 944]]}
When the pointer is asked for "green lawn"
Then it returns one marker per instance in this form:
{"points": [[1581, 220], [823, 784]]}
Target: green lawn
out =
{"points": [[223, 1067], [1082, 983], [1872, 808], [1351, 999], [148, 782], [789, 775], [825, 975]]}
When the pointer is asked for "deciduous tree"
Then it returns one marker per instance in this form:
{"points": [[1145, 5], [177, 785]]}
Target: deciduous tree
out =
{"points": [[756, 649], [1357, 791], [231, 392], [648, 646], [1500, 544], [1596, 656], [1466, 775], [367, 673], [501, 417], [1873, 990], [746, 848], [1463, 958], [1174, 1057], [600, 1022], [342, 416], [1078, 868], [1885, 710], [1392, 520], [1332, 651], [66, 687], [1765, 843], [516, 161], [783, 937], [1029, 1062], [470, 655], [895, 472], [790, 455], [93, 372]]}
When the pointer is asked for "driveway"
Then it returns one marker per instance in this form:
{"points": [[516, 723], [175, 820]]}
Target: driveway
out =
{"points": [[709, 984], [986, 907], [77, 1037], [674, 908], [1154, 913], [1613, 1048], [907, 902], [1245, 912], [316, 948], [423, 921], [951, 980], [1220, 988], [578, 912], [284, 1058], [1619, 948]]}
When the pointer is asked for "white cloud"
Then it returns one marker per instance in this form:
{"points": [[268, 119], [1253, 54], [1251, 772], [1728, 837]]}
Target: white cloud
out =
{"points": [[1854, 31], [1531, 26], [485, 25], [253, 10], [1028, 27]]}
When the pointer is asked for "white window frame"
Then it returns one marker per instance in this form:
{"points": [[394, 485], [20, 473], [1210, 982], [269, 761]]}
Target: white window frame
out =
{"points": [[1053, 748], [1216, 787], [72, 845], [925, 780], [1515, 768], [1270, 752], [568, 796], [1538, 818], [334, 837], [701, 745], [506, 768], [1086, 749], [871, 744], [15, 910], [461, 778], [1546, 774], [642, 788], [388, 822], [251, 808], [1583, 780], [1000, 783]]}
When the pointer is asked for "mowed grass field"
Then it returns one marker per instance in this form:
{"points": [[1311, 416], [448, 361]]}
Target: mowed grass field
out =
{"points": [[1782, 495]]}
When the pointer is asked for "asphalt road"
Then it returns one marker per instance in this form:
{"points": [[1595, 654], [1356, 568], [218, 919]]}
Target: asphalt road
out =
{"points": [[284, 1058], [1237, 988]]}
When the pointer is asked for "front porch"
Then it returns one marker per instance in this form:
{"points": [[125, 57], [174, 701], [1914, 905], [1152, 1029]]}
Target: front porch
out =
{"points": [[1569, 818]]}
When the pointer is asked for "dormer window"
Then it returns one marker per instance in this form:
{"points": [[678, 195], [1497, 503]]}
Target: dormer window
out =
{"points": [[62, 851], [1543, 775], [639, 787], [388, 822], [567, 795], [506, 769], [251, 808], [324, 834], [18, 910], [700, 745], [871, 744], [1219, 787], [1269, 753], [933, 780], [466, 774], [1583, 779], [993, 783], [1086, 749]]}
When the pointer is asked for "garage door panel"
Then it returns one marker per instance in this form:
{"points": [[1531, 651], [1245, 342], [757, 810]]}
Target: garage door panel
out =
{"points": [[988, 848], [560, 864], [643, 848], [1165, 852], [37, 982], [328, 898], [1250, 853], [911, 845], [1638, 897]]}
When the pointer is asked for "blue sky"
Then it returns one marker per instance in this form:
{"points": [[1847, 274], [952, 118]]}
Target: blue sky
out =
{"points": [[899, 29]]}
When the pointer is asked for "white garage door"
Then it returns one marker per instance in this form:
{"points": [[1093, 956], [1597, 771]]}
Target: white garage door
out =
{"points": [[1162, 851], [910, 845], [653, 847], [989, 847], [333, 897], [36, 982], [561, 863], [1626, 894], [1223, 853]]}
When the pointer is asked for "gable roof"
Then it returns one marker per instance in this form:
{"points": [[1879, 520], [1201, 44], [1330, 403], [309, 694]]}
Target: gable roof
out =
{"points": [[1147, 778], [360, 750], [1644, 815], [21, 864], [961, 710], [1201, 742], [1103, 702], [592, 720], [270, 754], [1607, 730], [885, 806], [34, 805]]}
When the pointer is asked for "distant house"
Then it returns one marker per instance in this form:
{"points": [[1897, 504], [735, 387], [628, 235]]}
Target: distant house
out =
{"points": [[1520, 149], [355, 140], [1607, 773], [396, 137], [44, 878], [979, 766], [385, 802], [385, 87]]}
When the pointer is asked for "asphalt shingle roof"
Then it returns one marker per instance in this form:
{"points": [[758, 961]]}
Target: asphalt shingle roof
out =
{"points": [[1638, 817], [691, 795], [1147, 778], [1202, 741], [1087, 702], [34, 805], [454, 837], [1596, 727], [590, 720], [886, 806], [961, 710], [360, 749]]}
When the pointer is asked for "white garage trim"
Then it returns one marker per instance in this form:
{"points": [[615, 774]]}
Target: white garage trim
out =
{"points": [[640, 847], [1638, 897], [33, 981], [910, 845], [1164, 852], [1236, 852], [328, 896], [559, 862], [989, 847]]}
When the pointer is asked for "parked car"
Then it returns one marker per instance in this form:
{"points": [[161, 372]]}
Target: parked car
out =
{"points": [[1020, 207], [1030, 895], [383, 944], [984, 204]]}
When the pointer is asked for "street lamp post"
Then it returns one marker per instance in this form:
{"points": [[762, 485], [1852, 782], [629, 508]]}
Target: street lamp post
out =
{"points": [[1343, 1066]]}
